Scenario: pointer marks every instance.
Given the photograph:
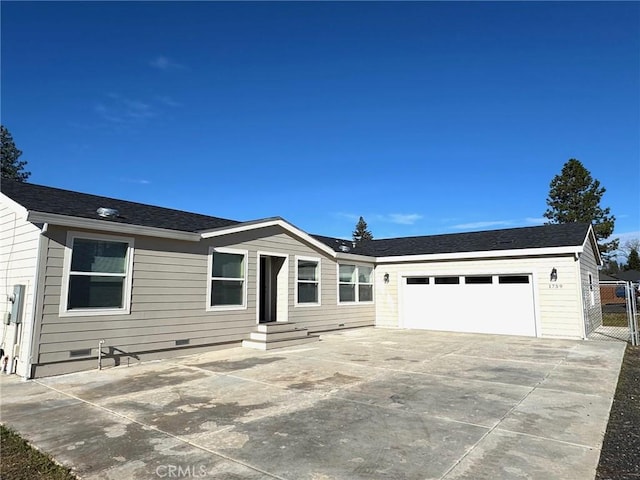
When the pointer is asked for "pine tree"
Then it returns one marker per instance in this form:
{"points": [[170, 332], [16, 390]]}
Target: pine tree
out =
{"points": [[633, 262], [574, 196], [361, 233], [11, 167]]}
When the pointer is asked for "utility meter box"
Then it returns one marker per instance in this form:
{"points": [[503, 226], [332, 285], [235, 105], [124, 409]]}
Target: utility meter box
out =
{"points": [[17, 303]]}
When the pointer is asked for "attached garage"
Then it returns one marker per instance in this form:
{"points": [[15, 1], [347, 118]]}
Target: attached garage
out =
{"points": [[532, 281], [491, 303]]}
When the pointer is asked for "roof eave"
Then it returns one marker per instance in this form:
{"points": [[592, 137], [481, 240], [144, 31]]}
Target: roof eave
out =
{"points": [[111, 227], [524, 252], [355, 257]]}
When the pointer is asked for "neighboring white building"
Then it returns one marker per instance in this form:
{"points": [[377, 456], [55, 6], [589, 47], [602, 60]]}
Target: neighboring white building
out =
{"points": [[139, 282]]}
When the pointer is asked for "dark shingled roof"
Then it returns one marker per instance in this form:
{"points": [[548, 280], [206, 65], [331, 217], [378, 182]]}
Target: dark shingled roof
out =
{"points": [[65, 202], [563, 235]]}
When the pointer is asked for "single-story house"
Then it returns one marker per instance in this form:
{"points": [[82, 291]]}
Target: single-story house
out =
{"points": [[89, 279]]}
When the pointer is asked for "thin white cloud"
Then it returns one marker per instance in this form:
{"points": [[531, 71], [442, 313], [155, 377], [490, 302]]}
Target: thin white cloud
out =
{"points": [[122, 111], [169, 101], [348, 216], [626, 236], [162, 62], [397, 218], [536, 221], [403, 218], [136, 181], [485, 224]]}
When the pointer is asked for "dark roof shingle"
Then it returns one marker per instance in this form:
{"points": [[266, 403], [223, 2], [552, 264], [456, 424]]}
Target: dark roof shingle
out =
{"points": [[543, 236], [65, 202]]}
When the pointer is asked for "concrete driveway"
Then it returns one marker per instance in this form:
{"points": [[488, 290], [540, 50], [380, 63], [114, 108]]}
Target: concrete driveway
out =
{"points": [[359, 404]]}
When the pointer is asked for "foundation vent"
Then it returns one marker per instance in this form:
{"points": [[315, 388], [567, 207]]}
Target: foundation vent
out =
{"points": [[184, 341], [80, 353]]}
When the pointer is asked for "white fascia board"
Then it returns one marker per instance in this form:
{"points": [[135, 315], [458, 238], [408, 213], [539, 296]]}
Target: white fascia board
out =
{"points": [[355, 257], [245, 227], [591, 237], [106, 226], [525, 252]]}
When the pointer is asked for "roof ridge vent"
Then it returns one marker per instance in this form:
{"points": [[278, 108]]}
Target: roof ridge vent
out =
{"points": [[107, 212]]}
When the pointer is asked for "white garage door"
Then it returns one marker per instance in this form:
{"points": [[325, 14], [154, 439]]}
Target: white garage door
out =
{"points": [[501, 304]]}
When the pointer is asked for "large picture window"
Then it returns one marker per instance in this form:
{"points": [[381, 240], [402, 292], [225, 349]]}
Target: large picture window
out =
{"points": [[227, 279], [97, 275], [355, 283], [308, 281]]}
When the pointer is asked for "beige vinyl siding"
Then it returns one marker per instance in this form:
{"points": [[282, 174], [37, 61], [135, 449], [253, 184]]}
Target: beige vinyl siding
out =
{"points": [[169, 300], [327, 316], [18, 263], [558, 311]]}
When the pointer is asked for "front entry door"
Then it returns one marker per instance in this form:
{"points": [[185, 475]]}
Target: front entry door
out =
{"points": [[272, 284]]}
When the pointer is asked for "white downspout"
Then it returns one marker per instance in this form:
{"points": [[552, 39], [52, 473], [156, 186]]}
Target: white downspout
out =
{"points": [[34, 309]]}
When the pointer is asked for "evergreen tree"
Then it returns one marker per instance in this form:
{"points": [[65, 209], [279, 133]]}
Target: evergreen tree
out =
{"points": [[361, 233], [574, 196], [611, 266], [11, 167], [633, 262]]}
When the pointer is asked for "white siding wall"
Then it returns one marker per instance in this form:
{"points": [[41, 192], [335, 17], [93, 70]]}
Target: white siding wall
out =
{"points": [[557, 304], [18, 253], [169, 300]]}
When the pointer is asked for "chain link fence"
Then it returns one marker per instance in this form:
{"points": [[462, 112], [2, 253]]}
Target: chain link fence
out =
{"points": [[615, 316]]}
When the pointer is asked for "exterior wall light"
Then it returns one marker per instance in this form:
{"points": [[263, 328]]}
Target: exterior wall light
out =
{"points": [[386, 278], [554, 275]]}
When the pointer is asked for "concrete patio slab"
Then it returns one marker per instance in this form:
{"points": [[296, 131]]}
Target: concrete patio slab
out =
{"points": [[458, 400], [360, 404], [505, 455]]}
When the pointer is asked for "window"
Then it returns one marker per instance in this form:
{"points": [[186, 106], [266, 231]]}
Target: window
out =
{"points": [[355, 283], [97, 277], [308, 281], [227, 286], [513, 279], [477, 280], [417, 280], [447, 280]]}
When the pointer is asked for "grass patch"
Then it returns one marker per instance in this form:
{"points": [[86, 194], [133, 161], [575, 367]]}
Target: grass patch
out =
{"points": [[615, 319], [20, 461]]}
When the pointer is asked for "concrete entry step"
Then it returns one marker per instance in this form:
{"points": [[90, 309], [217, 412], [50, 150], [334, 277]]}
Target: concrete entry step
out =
{"points": [[269, 345], [277, 335], [275, 327]]}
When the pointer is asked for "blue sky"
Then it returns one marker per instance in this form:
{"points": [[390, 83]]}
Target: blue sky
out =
{"points": [[424, 117]]}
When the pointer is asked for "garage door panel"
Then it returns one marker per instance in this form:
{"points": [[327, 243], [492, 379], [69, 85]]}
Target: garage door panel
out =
{"points": [[496, 308]]}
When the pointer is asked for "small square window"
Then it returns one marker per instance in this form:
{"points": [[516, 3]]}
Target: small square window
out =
{"points": [[355, 283]]}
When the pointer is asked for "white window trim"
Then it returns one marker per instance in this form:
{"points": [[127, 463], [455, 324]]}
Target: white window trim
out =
{"points": [[66, 276], [357, 284], [219, 308], [592, 294], [318, 281]]}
